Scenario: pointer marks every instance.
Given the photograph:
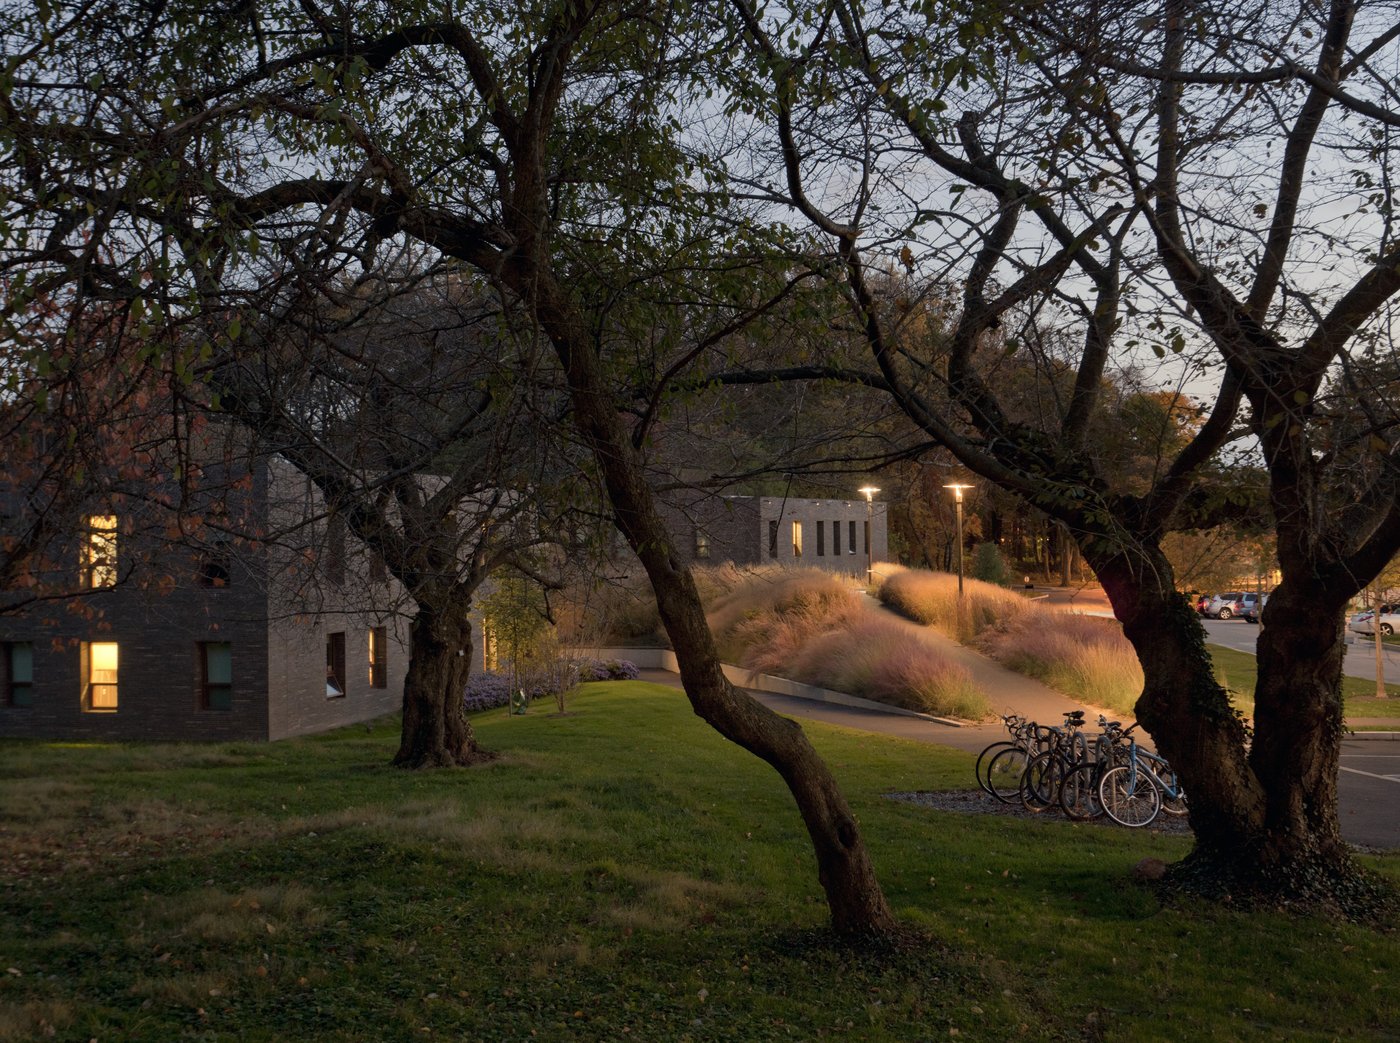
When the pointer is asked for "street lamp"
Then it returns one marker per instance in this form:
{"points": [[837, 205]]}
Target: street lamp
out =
{"points": [[870, 492], [957, 497]]}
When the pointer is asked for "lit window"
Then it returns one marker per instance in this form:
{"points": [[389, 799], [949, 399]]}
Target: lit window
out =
{"points": [[702, 544], [378, 657], [797, 539], [99, 551], [16, 673], [335, 665], [100, 677], [216, 675]]}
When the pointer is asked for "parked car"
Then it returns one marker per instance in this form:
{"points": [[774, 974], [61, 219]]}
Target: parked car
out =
{"points": [[1202, 600], [1254, 610], [1363, 622], [1229, 605]]}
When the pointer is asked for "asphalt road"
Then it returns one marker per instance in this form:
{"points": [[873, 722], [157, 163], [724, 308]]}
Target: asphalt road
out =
{"points": [[1360, 659]]}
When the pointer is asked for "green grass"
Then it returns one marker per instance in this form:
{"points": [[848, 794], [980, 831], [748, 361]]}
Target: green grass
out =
{"points": [[622, 873], [1238, 672]]}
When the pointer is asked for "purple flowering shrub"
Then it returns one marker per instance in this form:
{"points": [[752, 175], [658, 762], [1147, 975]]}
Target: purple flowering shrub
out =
{"points": [[590, 669], [486, 691]]}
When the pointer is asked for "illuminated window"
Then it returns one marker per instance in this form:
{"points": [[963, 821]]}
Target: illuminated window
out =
{"points": [[99, 551], [378, 657], [702, 544], [797, 539], [100, 677], [335, 665], [16, 673], [215, 675]]}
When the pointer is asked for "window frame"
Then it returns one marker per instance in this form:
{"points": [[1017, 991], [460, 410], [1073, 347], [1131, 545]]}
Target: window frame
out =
{"points": [[98, 567], [379, 663], [89, 693], [336, 681], [207, 688], [16, 694]]}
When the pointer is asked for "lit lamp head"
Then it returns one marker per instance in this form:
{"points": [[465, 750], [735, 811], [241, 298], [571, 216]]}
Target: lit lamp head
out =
{"points": [[958, 490], [869, 491]]}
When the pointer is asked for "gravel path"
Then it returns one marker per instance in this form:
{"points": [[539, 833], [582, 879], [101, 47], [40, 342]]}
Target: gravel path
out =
{"points": [[975, 802]]}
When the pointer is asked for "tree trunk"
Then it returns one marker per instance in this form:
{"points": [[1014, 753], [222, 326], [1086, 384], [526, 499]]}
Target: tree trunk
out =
{"points": [[853, 893], [1265, 824], [436, 732]]}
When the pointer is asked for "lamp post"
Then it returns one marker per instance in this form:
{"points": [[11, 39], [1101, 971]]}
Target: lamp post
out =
{"points": [[958, 500], [870, 492]]}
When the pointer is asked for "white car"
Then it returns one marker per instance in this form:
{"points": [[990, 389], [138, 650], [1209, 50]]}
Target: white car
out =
{"points": [[1363, 623]]}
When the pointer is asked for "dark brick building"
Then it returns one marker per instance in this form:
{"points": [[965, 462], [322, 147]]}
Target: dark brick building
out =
{"points": [[230, 640]]}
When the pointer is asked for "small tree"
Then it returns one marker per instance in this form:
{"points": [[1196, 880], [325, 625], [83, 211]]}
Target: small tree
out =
{"points": [[989, 566]]}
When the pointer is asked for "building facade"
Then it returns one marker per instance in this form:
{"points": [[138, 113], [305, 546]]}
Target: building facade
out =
{"points": [[234, 640], [842, 536]]}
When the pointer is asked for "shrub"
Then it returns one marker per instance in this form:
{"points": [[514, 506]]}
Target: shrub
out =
{"points": [[989, 566], [591, 669], [486, 691]]}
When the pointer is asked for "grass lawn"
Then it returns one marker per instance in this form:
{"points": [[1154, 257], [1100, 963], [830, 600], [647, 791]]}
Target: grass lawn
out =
{"points": [[1238, 671], [621, 873]]}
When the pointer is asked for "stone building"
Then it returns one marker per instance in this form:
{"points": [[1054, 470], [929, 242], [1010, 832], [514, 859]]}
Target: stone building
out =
{"points": [[231, 640], [841, 536]]}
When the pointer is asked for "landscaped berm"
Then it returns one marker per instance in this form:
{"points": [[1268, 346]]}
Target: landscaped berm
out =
{"points": [[621, 873]]}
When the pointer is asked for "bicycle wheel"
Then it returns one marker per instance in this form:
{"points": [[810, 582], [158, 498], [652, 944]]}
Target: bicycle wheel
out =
{"points": [[984, 761], [1040, 785], [1004, 774], [1079, 793], [1129, 797], [1169, 784]]}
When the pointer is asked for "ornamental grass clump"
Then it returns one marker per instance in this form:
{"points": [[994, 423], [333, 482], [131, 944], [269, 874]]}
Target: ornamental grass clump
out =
{"points": [[880, 659], [764, 620], [932, 598], [1083, 656]]}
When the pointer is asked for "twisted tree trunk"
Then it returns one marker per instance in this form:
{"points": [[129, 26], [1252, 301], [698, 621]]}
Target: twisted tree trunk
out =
{"points": [[436, 732]]}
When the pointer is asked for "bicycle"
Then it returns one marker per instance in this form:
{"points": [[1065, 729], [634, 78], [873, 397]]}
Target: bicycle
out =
{"points": [[1131, 793]]}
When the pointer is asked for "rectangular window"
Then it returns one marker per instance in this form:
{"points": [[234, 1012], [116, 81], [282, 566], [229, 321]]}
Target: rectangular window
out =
{"points": [[797, 539], [215, 675], [821, 539], [99, 551], [772, 539], [16, 673], [853, 537], [836, 537], [215, 565], [99, 676], [378, 571], [335, 665], [867, 537], [702, 544], [378, 658]]}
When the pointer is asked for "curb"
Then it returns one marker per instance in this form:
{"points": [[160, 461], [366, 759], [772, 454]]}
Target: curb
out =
{"points": [[1370, 736]]}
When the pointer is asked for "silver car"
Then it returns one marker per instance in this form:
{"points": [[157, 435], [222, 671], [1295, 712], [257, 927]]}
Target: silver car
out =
{"points": [[1227, 606], [1364, 622]]}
